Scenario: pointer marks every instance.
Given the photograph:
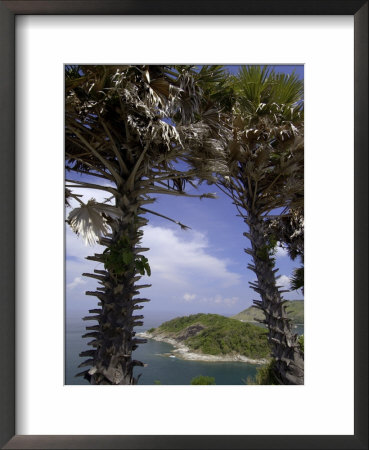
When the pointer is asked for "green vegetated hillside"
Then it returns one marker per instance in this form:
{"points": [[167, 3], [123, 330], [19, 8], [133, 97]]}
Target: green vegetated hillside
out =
{"points": [[213, 334], [295, 310]]}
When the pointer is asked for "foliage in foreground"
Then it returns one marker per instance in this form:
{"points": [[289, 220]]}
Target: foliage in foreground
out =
{"points": [[301, 342], [266, 374], [202, 379]]}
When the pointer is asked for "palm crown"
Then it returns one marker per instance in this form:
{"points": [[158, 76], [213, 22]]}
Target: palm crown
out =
{"points": [[265, 156], [266, 152]]}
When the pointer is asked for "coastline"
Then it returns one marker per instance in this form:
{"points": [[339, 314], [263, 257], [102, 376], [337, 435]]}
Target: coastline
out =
{"points": [[258, 323], [183, 352]]}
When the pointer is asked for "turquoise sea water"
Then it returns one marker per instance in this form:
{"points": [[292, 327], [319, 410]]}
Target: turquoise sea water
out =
{"points": [[172, 371]]}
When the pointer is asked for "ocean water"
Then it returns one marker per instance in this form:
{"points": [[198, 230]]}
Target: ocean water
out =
{"points": [[160, 368]]}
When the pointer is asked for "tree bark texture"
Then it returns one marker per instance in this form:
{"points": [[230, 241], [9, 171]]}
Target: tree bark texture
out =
{"points": [[289, 367], [113, 338]]}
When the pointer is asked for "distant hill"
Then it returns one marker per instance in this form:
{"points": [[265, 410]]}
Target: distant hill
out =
{"points": [[213, 334], [295, 310]]}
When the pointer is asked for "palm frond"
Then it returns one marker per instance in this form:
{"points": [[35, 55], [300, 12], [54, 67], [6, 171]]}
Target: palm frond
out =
{"points": [[90, 220], [297, 279]]}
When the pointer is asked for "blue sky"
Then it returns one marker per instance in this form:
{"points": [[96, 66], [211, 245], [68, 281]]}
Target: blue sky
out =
{"points": [[203, 269]]}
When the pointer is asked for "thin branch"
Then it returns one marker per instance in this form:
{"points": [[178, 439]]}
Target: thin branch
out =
{"points": [[79, 145], [174, 172], [106, 163], [278, 216], [125, 121], [86, 163], [178, 193], [115, 148], [255, 194], [249, 185], [184, 227], [224, 191], [81, 184], [83, 128], [80, 154], [165, 185], [237, 182], [238, 209], [108, 199], [75, 196], [131, 178], [272, 183], [107, 176]]}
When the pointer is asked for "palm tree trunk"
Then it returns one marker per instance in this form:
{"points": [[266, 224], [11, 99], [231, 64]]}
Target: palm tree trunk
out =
{"points": [[289, 366], [113, 337]]}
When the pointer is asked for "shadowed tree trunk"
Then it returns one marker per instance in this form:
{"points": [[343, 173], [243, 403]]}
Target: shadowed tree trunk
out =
{"points": [[265, 157], [114, 336], [289, 366]]}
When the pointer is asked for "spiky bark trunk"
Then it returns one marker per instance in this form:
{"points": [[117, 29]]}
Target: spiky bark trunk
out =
{"points": [[289, 367], [113, 338]]}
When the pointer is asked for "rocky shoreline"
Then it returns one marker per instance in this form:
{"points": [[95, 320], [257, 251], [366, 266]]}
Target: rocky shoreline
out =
{"points": [[183, 352]]}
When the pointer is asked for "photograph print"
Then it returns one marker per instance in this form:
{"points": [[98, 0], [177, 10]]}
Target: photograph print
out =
{"points": [[184, 224]]}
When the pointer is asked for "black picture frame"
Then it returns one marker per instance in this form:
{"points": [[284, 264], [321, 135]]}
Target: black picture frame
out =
{"points": [[8, 11]]}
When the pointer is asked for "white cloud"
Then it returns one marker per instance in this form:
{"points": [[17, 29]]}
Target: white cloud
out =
{"points": [[177, 257], [219, 300], [231, 301], [189, 297], [281, 252], [284, 281], [181, 257], [76, 282]]}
